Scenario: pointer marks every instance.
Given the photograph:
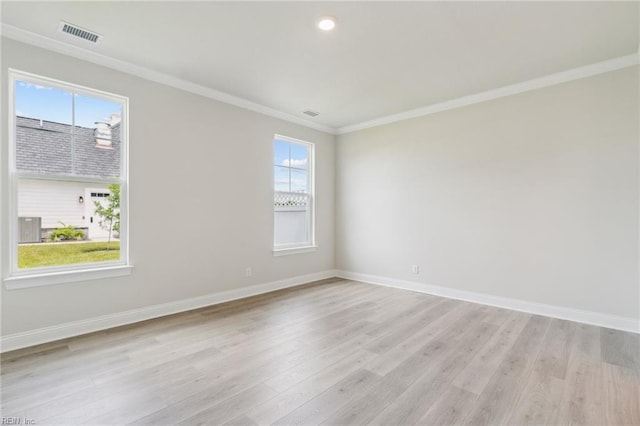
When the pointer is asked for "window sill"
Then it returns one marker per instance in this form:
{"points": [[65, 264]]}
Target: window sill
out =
{"points": [[293, 250], [62, 277]]}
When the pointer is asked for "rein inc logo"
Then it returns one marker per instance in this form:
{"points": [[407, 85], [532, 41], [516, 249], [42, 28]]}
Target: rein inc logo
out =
{"points": [[17, 421]]}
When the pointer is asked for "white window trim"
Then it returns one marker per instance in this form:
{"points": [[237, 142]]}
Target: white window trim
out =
{"points": [[294, 250], [32, 277], [307, 246], [52, 278]]}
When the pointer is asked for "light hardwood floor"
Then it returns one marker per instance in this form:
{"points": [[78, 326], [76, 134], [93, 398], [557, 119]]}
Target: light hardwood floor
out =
{"points": [[334, 352]]}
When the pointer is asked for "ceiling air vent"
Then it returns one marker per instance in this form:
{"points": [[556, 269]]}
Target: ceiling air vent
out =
{"points": [[76, 31], [311, 113]]}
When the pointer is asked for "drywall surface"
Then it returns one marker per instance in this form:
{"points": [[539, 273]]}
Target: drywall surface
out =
{"points": [[532, 196], [201, 203]]}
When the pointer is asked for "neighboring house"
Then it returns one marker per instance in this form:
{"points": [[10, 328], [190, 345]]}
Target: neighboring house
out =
{"points": [[45, 147]]}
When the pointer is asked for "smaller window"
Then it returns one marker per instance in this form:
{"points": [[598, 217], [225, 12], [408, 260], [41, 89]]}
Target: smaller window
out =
{"points": [[293, 202]]}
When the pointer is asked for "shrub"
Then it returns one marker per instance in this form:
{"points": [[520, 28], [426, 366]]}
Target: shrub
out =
{"points": [[65, 233]]}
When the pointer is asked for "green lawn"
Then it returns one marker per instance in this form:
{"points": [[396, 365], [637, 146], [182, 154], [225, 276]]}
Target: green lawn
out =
{"points": [[32, 256]]}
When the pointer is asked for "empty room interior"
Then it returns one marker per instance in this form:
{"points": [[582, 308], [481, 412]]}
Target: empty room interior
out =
{"points": [[334, 213]]}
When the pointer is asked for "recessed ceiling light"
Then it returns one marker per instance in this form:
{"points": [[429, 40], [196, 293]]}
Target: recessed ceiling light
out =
{"points": [[327, 23]]}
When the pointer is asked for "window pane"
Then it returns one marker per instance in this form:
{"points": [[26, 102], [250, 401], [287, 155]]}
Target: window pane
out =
{"points": [[44, 103], [97, 142], [292, 210], [89, 110], [299, 156], [280, 153], [281, 178], [83, 223], [47, 143], [42, 151], [299, 181], [43, 128], [291, 219]]}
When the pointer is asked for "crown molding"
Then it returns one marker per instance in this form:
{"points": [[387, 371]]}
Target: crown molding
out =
{"points": [[38, 40], [525, 86]]}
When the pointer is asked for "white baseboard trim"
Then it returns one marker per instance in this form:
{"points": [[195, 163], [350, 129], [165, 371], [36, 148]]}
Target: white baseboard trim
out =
{"points": [[561, 312], [62, 331]]}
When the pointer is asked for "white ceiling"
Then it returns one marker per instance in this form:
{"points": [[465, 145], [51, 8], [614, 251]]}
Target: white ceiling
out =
{"points": [[383, 58]]}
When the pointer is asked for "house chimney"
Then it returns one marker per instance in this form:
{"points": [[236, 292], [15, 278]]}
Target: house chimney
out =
{"points": [[103, 135], [114, 119]]}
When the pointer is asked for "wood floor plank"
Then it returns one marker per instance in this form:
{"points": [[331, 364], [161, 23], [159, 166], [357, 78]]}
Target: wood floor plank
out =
{"points": [[159, 385], [581, 400], [539, 400], [403, 350], [554, 354], [308, 327], [620, 348], [333, 352], [406, 329], [481, 368], [298, 395], [223, 380], [241, 421], [620, 395], [413, 403], [322, 406], [586, 343], [314, 364], [116, 404], [367, 406], [542, 391], [451, 408], [231, 408], [496, 316], [59, 365], [156, 366], [208, 395], [499, 397], [15, 401], [34, 353]]}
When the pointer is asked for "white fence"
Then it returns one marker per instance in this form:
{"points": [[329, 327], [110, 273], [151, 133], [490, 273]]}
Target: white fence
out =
{"points": [[291, 218]]}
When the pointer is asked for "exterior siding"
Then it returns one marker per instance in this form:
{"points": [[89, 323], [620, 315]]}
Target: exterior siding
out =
{"points": [[53, 201]]}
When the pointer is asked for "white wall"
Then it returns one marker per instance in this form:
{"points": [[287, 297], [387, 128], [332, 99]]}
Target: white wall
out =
{"points": [[532, 196], [192, 159]]}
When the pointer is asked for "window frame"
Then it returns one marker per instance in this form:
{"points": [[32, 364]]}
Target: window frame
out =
{"points": [[310, 244], [32, 277]]}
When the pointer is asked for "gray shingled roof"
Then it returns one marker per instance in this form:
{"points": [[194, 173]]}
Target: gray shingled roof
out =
{"points": [[47, 147]]}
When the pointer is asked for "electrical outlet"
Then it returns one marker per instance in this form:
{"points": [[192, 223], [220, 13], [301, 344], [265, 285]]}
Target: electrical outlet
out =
{"points": [[247, 272], [415, 269]]}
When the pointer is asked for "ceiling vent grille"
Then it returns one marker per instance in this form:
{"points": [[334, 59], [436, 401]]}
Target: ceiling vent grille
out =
{"points": [[311, 113], [76, 31]]}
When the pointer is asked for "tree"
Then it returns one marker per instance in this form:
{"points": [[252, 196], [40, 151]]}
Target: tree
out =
{"points": [[110, 212]]}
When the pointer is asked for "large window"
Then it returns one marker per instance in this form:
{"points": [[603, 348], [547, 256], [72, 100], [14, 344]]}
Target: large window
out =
{"points": [[68, 181], [293, 194]]}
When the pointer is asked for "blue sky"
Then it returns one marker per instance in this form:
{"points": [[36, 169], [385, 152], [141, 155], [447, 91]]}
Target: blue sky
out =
{"points": [[290, 166], [51, 104]]}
